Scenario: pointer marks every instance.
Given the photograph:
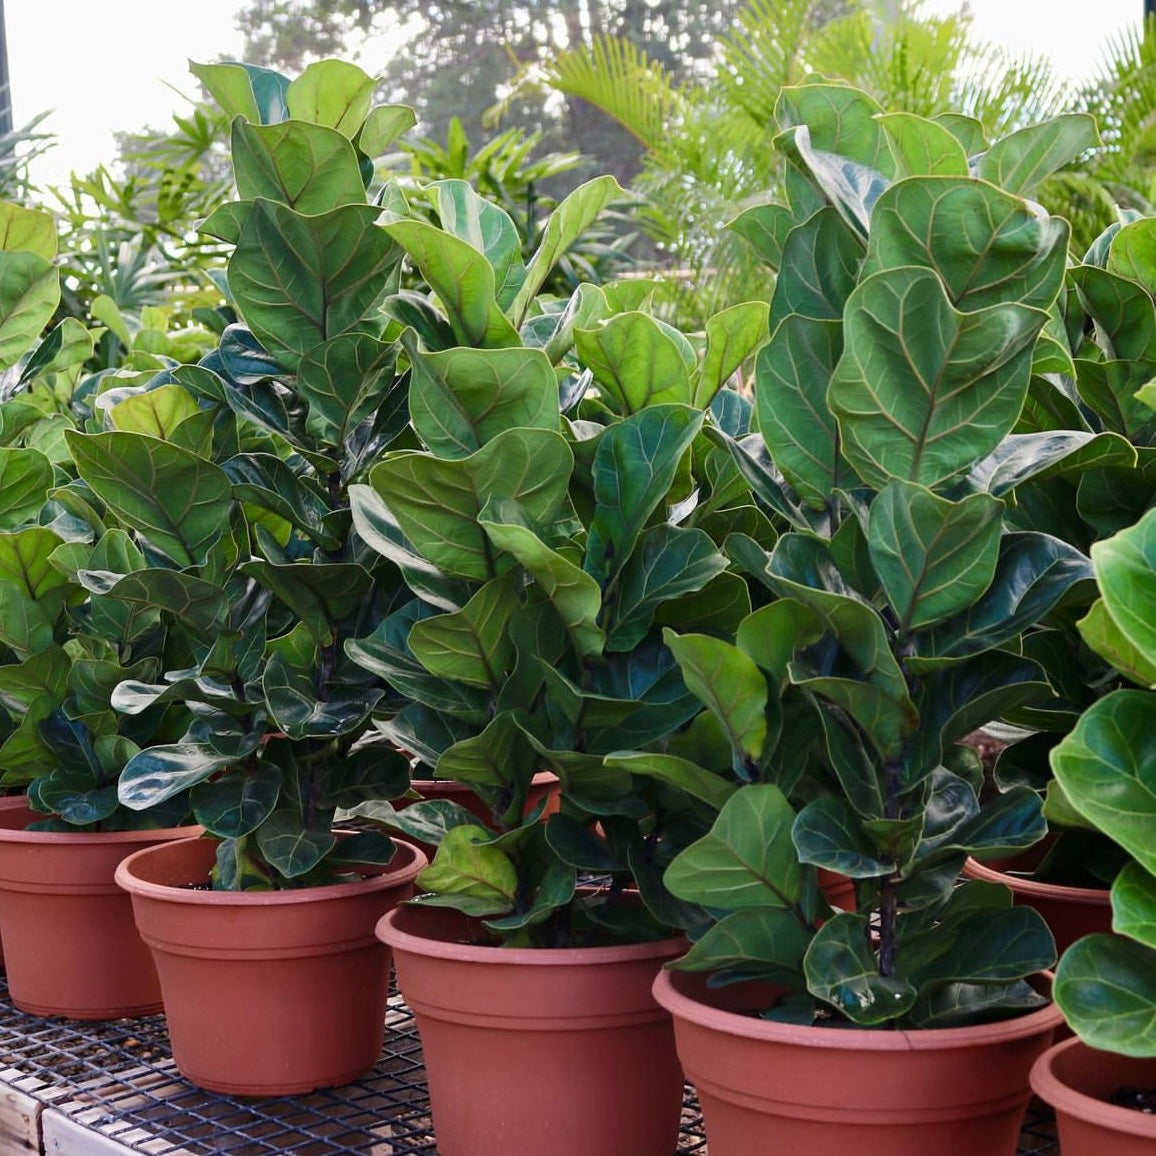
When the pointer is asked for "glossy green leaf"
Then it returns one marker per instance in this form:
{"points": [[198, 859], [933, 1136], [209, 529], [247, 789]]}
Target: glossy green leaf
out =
{"points": [[1026, 457], [1134, 905], [992, 946], [159, 773], [28, 230], [729, 683], [769, 939], [157, 412], [258, 94], [669, 562], [331, 92], [842, 970], [377, 527], [828, 833], [687, 776], [922, 390], [466, 864], [488, 228], [26, 476], [300, 280], [460, 399], [922, 147], [1019, 161], [1106, 987], [295, 708], [634, 467], [29, 294], [747, 859], [1126, 570], [437, 502], [852, 186], [792, 375], [934, 557], [471, 645], [1033, 573], [818, 270], [988, 247], [200, 605], [463, 280], [320, 594], [732, 337], [1107, 768], [1101, 632], [635, 362], [270, 483], [1123, 311], [237, 804], [576, 213], [383, 126], [289, 846], [303, 166], [573, 593]]}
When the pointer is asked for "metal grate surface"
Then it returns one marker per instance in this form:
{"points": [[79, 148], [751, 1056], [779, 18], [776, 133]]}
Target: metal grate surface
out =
{"points": [[119, 1080]]}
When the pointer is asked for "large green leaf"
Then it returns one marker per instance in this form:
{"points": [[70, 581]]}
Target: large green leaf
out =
{"points": [[842, 971], [574, 593], [258, 94], [747, 859], [471, 645], [467, 865], [634, 468], [669, 562], [1107, 768], [269, 483], [157, 412], [567, 223], [1101, 632], [1019, 161], [460, 399], [1037, 456], [289, 846], [988, 247], [922, 391], [1126, 570], [1123, 311], [437, 502], [635, 362], [26, 476], [27, 230], [1033, 573], [820, 265], [829, 833], [732, 336], [463, 280], [181, 502], [160, 772], [1106, 987], [488, 228], [303, 166], [1134, 904], [729, 683], [29, 294], [331, 92], [298, 712], [696, 781], [793, 372], [237, 804], [377, 527], [934, 557], [299, 280], [767, 938], [202, 606], [320, 594], [385, 123], [922, 147]]}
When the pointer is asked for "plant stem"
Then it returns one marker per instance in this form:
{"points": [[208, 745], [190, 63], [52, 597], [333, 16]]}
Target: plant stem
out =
{"points": [[888, 899]]}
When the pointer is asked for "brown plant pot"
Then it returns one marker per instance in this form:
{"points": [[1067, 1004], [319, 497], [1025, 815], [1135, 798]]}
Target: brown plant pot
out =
{"points": [[824, 1091], [1070, 912], [267, 992], [71, 948], [1077, 1081], [559, 1052]]}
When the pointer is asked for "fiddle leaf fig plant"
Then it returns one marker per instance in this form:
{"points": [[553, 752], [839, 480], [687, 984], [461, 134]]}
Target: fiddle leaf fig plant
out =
{"points": [[1106, 766], [908, 309], [297, 401]]}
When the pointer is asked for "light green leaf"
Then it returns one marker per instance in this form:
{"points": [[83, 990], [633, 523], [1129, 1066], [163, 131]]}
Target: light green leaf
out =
{"points": [[635, 361], [922, 147], [732, 336], [29, 294], [1019, 161], [488, 228], [27, 230], [156, 412], [332, 93]]}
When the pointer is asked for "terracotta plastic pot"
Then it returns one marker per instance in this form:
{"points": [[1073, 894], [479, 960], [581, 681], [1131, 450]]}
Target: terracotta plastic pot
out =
{"points": [[558, 1052], [71, 948], [1077, 1081], [823, 1091], [1070, 912], [267, 992]]}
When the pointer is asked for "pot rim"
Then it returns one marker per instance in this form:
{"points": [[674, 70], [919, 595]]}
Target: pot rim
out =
{"points": [[401, 940], [686, 1007], [391, 875], [1066, 1099], [1025, 885], [78, 838]]}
